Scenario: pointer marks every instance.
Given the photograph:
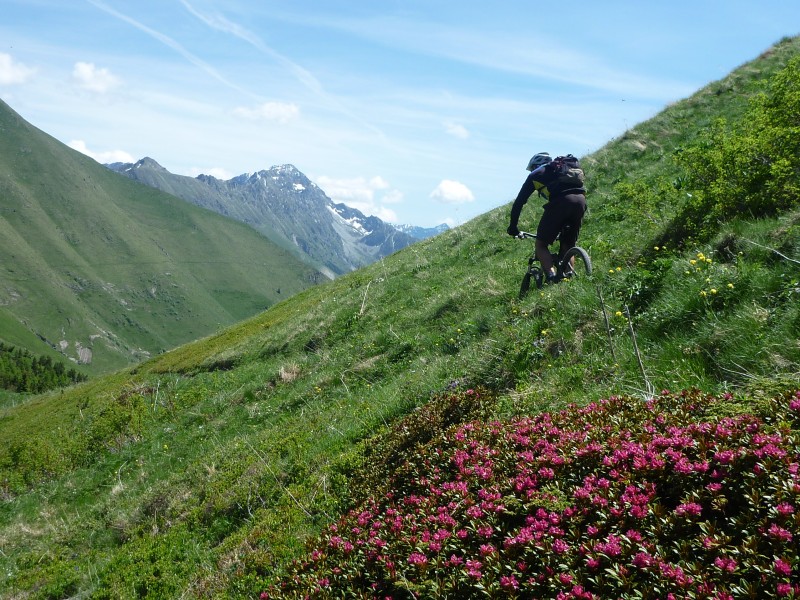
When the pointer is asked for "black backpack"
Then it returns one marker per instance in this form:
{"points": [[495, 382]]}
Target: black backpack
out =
{"points": [[567, 172]]}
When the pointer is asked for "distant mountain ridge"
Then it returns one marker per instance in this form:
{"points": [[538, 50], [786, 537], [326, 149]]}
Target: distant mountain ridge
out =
{"points": [[422, 233], [288, 208]]}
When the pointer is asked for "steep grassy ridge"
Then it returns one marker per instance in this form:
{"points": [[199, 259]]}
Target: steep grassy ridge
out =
{"points": [[91, 262], [205, 470]]}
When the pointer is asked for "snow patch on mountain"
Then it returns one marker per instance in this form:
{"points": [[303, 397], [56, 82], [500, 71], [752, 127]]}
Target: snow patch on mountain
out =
{"points": [[355, 222]]}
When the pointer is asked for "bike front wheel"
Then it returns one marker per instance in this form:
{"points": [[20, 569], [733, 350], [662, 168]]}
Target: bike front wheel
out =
{"points": [[576, 263], [531, 275]]}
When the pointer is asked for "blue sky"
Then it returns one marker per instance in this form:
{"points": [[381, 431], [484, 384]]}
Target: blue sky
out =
{"points": [[418, 111]]}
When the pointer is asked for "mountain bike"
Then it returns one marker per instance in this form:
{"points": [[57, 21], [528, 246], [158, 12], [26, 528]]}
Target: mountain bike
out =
{"points": [[574, 263]]}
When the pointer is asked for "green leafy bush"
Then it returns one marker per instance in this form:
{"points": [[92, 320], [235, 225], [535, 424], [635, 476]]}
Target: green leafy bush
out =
{"points": [[388, 451], [748, 167]]}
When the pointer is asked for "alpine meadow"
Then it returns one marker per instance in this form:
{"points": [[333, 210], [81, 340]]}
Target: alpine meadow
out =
{"points": [[103, 272], [413, 430]]}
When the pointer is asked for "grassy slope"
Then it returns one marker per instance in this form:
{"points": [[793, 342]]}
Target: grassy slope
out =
{"points": [[93, 258], [204, 469]]}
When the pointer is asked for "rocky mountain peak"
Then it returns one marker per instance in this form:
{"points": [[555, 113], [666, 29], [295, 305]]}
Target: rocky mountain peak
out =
{"points": [[148, 163]]}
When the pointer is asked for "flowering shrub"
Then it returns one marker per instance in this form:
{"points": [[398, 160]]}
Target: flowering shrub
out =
{"points": [[617, 499]]}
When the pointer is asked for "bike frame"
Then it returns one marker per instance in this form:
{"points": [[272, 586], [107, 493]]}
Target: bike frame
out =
{"points": [[563, 262], [556, 257]]}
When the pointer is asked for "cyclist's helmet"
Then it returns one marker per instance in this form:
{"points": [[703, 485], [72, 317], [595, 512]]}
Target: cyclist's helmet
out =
{"points": [[538, 160]]}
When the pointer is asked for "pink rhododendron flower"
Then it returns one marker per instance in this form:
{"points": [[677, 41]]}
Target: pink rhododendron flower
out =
{"points": [[454, 560], [689, 508], [642, 560], [560, 546], [633, 535], [474, 569], [725, 564], [509, 582], [610, 547], [485, 531], [779, 533], [782, 568]]}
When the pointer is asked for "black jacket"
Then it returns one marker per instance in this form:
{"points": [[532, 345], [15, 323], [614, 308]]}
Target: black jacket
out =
{"points": [[542, 180]]}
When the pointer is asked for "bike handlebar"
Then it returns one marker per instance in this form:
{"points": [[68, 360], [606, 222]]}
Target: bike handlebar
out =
{"points": [[524, 235]]}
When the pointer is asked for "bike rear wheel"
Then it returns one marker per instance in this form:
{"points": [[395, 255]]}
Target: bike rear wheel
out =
{"points": [[581, 267]]}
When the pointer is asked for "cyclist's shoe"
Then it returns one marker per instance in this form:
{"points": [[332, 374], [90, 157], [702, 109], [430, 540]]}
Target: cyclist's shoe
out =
{"points": [[551, 278]]}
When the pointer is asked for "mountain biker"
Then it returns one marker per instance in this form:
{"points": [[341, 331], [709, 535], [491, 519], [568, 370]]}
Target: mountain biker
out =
{"points": [[563, 211]]}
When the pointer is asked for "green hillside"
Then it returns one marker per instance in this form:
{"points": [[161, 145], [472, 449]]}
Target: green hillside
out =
{"points": [[104, 272], [421, 385]]}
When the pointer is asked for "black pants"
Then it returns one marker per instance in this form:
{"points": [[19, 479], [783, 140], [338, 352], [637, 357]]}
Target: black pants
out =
{"points": [[562, 215]]}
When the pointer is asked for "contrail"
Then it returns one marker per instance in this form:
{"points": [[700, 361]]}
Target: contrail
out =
{"points": [[169, 42], [220, 23]]}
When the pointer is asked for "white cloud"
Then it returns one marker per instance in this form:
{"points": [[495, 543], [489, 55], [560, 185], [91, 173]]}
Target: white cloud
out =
{"points": [[392, 197], [357, 189], [361, 193], [12, 72], [282, 112], [89, 77], [456, 130], [110, 156], [384, 214], [217, 172], [452, 192]]}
